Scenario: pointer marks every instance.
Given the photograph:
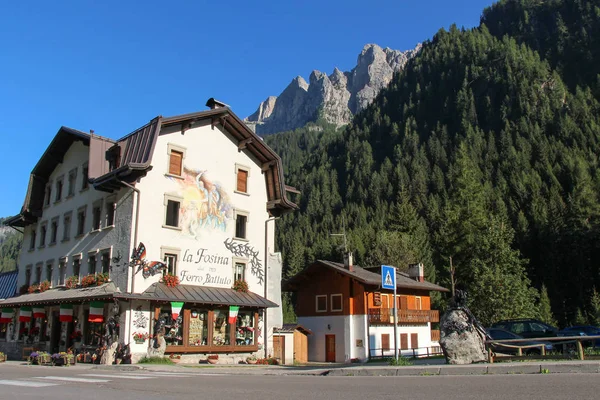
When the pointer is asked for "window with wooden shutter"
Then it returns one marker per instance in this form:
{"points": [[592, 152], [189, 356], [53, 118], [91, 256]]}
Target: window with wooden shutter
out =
{"points": [[414, 340], [242, 181], [404, 341], [175, 162], [385, 341]]}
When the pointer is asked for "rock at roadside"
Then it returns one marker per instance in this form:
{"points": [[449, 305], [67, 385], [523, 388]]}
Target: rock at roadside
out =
{"points": [[461, 339], [158, 351]]}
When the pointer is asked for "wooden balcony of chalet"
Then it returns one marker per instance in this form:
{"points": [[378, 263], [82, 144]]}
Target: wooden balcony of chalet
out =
{"points": [[386, 316]]}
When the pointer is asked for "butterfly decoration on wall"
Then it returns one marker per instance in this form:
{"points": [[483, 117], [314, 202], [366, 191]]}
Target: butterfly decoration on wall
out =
{"points": [[148, 268]]}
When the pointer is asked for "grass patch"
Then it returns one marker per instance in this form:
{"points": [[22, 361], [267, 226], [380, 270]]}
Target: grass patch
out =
{"points": [[155, 360], [401, 361]]}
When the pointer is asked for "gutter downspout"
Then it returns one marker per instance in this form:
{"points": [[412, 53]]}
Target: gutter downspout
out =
{"points": [[266, 275], [135, 237]]}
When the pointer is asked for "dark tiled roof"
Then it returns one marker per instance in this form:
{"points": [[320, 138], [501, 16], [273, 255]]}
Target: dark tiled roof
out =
{"points": [[200, 295], [63, 295], [372, 278], [290, 328], [8, 284]]}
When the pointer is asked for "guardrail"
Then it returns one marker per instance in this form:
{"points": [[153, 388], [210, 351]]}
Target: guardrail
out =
{"points": [[562, 341], [417, 352]]}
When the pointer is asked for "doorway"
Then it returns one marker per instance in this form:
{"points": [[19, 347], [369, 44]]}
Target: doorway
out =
{"points": [[55, 332], [329, 348], [279, 348]]}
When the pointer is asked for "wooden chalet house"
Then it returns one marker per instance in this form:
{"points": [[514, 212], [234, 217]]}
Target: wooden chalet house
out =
{"points": [[351, 316], [198, 190]]}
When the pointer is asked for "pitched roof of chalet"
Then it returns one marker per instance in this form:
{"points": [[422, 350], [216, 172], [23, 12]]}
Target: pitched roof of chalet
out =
{"points": [[290, 328], [64, 295], [54, 154], [361, 275], [8, 284], [135, 159], [200, 295]]}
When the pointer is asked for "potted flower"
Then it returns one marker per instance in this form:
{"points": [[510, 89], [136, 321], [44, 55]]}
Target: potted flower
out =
{"points": [[33, 288], [251, 359], [72, 282], [2, 357], [140, 337], [240, 285], [44, 286], [102, 278], [213, 358], [170, 280], [175, 358], [76, 336], [88, 280], [33, 357]]}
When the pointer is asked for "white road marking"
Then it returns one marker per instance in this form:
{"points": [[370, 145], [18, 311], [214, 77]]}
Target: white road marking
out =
{"points": [[118, 376], [159, 373], [26, 383], [72, 379]]}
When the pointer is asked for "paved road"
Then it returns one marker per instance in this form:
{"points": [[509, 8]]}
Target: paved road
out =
{"points": [[55, 383]]}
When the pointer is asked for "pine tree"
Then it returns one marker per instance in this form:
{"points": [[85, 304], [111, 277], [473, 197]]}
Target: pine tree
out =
{"points": [[545, 309]]}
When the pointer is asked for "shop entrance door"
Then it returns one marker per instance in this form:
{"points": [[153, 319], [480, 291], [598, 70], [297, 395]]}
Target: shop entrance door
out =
{"points": [[330, 348], [279, 348], [55, 332]]}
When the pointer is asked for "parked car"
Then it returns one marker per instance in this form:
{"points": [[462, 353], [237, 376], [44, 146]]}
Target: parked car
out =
{"points": [[503, 334], [528, 328], [583, 330]]}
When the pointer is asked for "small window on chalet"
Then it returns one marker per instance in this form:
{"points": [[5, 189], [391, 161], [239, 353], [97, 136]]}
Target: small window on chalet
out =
{"points": [[91, 263], [239, 271], [28, 275], [72, 182], [77, 267], [171, 262], [96, 216], [175, 162], [241, 221], [80, 221], [105, 262], [242, 180], [336, 302], [321, 303], [33, 238], [59, 189], [172, 213], [53, 230], [43, 232], [110, 213], [67, 226], [85, 177], [48, 194]]}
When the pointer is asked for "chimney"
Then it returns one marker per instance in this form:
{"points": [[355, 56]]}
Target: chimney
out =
{"points": [[213, 103], [348, 262], [91, 131], [415, 271]]}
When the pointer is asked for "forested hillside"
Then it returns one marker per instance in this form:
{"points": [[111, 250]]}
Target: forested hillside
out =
{"points": [[478, 152], [10, 247]]}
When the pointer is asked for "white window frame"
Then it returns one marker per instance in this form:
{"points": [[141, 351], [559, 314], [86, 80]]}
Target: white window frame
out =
{"points": [[49, 263], [76, 257], [93, 253], [97, 205], [341, 301], [243, 168], [246, 214], [62, 271], [317, 303], [418, 303], [170, 251], [175, 147], [79, 210], [110, 201], [244, 262], [101, 253], [167, 198]]}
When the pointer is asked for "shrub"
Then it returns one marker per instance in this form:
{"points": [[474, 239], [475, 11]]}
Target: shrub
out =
{"points": [[400, 361], [240, 285], [155, 360]]}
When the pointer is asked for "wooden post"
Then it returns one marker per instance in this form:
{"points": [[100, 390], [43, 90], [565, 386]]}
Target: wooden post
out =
{"points": [[490, 356], [580, 350]]}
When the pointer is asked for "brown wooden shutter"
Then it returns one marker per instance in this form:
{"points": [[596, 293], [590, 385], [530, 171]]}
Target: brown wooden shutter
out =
{"points": [[242, 181], [414, 340], [403, 303], [175, 162], [404, 341], [385, 341]]}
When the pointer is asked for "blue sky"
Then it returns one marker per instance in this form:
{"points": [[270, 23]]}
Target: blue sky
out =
{"points": [[111, 66]]}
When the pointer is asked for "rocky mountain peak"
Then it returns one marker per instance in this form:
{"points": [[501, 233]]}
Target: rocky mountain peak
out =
{"points": [[335, 98]]}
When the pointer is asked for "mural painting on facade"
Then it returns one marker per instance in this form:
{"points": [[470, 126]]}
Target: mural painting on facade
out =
{"points": [[148, 268], [140, 320], [205, 205], [247, 251]]}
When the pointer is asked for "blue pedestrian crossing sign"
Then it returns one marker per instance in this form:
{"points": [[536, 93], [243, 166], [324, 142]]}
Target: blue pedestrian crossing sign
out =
{"points": [[388, 277]]}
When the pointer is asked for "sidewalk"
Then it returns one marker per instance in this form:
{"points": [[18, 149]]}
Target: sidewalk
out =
{"points": [[421, 369]]}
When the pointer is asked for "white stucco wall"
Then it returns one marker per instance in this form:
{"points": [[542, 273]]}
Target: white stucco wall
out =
{"points": [[328, 325], [423, 331]]}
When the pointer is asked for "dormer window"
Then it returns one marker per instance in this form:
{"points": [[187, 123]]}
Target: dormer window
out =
{"points": [[176, 156]]}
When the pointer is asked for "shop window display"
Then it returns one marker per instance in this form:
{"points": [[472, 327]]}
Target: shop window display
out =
{"points": [[173, 328], [244, 330], [221, 328], [198, 328]]}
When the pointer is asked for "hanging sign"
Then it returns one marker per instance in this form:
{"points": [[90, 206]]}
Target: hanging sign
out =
{"points": [[233, 312], [176, 307], [39, 312], [25, 314], [96, 311], [66, 313], [7, 315]]}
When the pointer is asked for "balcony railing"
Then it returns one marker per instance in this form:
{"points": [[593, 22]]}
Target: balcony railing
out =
{"points": [[386, 316]]}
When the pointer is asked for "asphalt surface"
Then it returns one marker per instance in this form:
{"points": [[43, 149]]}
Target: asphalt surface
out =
{"points": [[250, 383]]}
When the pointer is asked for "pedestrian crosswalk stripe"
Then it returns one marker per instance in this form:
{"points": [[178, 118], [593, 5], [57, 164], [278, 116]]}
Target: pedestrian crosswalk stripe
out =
{"points": [[25, 383], [160, 373], [72, 379], [118, 376]]}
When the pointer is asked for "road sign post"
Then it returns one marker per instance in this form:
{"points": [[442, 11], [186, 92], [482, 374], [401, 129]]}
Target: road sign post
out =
{"points": [[388, 281]]}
